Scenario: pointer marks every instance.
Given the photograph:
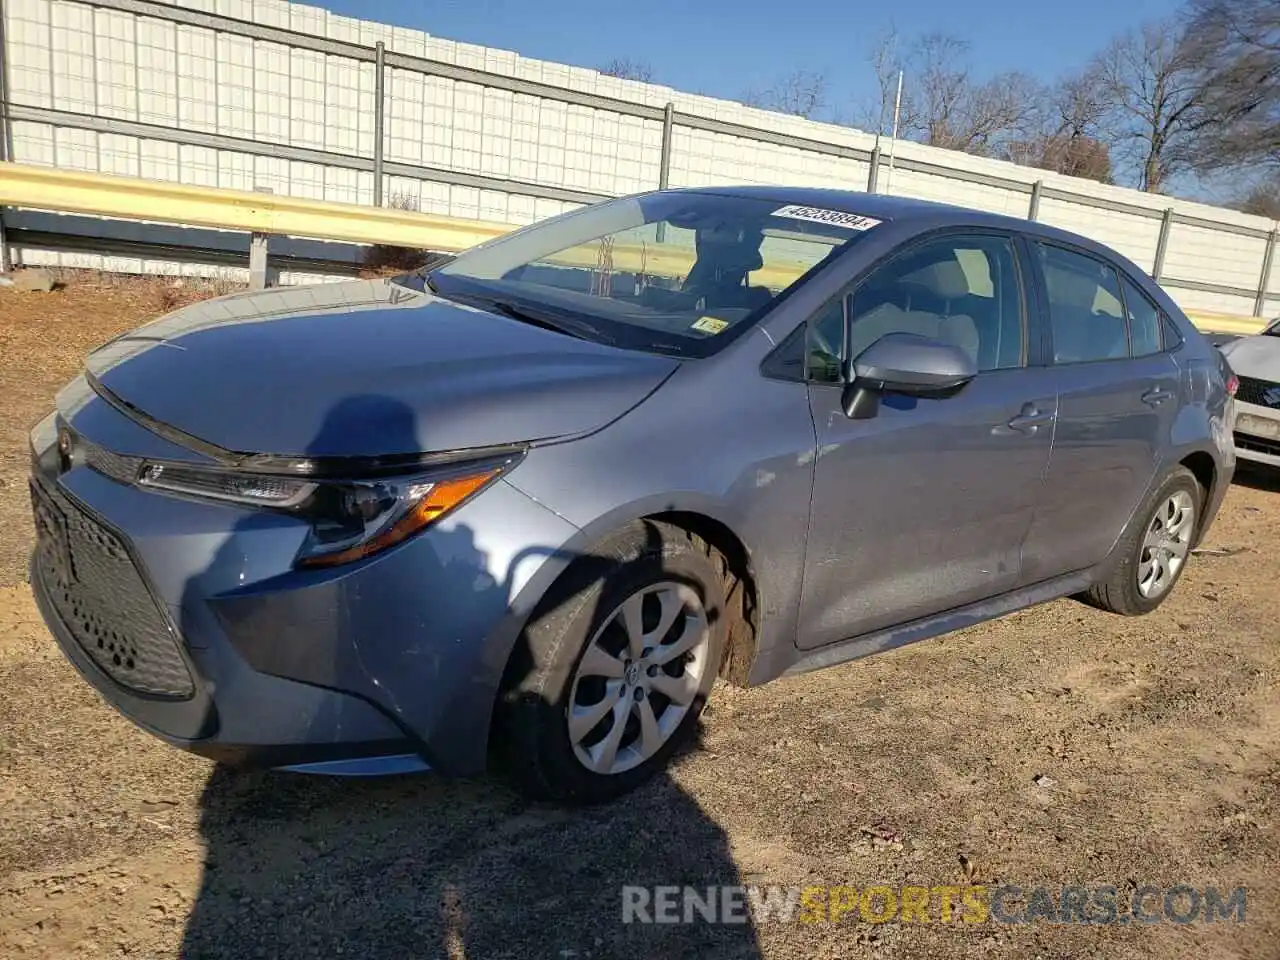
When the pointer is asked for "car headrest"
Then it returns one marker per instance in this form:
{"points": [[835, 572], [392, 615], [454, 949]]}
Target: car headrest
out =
{"points": [[945, 278], [949, 279], [1074, 289]]}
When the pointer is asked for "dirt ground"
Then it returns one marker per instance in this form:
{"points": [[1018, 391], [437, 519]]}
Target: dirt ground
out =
{"points": [[1058, 746]]}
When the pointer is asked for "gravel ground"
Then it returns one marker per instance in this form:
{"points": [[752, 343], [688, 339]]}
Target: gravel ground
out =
{"points": [[1056, 746]]}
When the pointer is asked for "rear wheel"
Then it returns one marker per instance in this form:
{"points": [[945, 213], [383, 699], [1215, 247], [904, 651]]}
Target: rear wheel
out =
{"points": [[1152, 555], [612, 672]]}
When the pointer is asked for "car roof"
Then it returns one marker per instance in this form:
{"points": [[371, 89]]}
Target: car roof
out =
{"points": [[848, 201], [901, 210]]}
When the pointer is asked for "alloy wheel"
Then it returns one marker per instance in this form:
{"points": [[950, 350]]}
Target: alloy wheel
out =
{"points": [[1166, 544], [638, 677]]}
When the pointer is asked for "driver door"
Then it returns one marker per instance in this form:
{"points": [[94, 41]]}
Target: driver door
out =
{"points": [[924, 507]]}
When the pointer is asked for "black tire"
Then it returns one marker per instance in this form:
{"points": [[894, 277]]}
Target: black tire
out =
{"points": [[1118, 591], [531, 726]]}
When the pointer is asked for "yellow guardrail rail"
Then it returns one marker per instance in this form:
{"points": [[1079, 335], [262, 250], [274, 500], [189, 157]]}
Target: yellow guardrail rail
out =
{"points": [[1229, 323], [131, 198]]}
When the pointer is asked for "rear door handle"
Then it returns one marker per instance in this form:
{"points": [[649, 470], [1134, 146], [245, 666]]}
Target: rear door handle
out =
{"points": [[1156, 396], [1031, 419]]}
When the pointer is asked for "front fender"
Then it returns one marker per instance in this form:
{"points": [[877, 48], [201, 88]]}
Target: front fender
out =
{"points": [[719, 441]]}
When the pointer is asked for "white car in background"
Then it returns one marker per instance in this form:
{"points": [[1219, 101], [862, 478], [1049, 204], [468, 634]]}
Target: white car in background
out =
{"points": [[1256, 361]]}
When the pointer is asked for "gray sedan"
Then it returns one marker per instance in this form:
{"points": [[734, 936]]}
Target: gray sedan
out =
{"points": [[531, 504]]}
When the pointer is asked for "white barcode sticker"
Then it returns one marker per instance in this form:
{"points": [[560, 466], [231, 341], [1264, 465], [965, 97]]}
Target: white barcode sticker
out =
{"points": [[836, 218]]}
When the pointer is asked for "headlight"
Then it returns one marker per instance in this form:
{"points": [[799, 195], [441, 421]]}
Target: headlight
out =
{"points": [[356, 520], [350, 519]]}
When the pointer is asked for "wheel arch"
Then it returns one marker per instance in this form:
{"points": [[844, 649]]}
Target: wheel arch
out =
{"points": [[1204, 468], [741, 586], [697, 515]]}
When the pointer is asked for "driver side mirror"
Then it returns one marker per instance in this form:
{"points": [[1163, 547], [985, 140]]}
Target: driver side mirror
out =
{"points": [[904, 363]]}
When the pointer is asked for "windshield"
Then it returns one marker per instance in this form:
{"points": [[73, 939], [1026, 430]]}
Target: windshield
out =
{"points": [[670, 272], [1274, 329]]}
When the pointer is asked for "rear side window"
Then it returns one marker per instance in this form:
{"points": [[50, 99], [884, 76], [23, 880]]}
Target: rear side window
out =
{"points": [[1144, 321], [1086, 309]]}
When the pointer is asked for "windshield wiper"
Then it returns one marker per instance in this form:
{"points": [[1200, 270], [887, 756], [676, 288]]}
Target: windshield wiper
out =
{"points": [[549, 318], [570, 326]]}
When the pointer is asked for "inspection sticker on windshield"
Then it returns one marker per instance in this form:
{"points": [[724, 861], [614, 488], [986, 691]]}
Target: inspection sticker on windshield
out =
{"points": [[710, 324], [837, 218]]}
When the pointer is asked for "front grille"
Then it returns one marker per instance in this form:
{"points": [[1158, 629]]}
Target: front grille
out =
{"points": [[1256, 392], [100, 595], [1246, 441]]}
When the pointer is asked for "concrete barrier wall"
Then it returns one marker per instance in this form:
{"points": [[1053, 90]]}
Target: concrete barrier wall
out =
{"points": [[256, 94]]}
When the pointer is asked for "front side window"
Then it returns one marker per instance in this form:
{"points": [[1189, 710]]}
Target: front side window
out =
{"points": [[1086, 314], [963, 290], [669, 272]]}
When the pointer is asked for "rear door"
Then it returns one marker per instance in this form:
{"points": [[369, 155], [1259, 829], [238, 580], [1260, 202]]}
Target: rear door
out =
{"points": [[1118, 391]]}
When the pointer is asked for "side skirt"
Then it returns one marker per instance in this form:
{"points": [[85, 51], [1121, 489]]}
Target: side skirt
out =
{"points": [[940, 623]]}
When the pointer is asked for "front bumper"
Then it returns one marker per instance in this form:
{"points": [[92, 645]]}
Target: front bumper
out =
{"points": [[384, 665], [1256, 433], [255, 720]]}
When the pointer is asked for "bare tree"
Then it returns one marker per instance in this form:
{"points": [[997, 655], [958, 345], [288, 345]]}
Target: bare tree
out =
{"points": [[939, 87], [1073, 156], [1263, 200], [1077, 106], [1238, 45], [1067, 130], [887, 60], [626, 69], [1151, 80], [801, 92], [1006, 106], [942, 104]]}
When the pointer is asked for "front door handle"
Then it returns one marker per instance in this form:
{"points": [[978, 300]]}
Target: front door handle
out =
{"points": [[1156, 396], [1031, 419]]}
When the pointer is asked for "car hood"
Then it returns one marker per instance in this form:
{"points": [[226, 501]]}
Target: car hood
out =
{"points": [[367, 368], [1257, 357]]}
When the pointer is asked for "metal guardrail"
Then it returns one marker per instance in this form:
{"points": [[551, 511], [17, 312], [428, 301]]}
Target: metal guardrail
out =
{"points": [[262, 215], [130, 198]]}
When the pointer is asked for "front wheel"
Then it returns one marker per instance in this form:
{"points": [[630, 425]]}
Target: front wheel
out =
{"points": [[615, 666], [1152, 555]]}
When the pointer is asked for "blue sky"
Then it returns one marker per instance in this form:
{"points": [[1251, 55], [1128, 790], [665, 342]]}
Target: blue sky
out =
{"points": [[725, 47]]}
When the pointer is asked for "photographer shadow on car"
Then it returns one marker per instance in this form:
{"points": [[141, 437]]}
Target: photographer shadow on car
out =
{"points": [[428, 866]]}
